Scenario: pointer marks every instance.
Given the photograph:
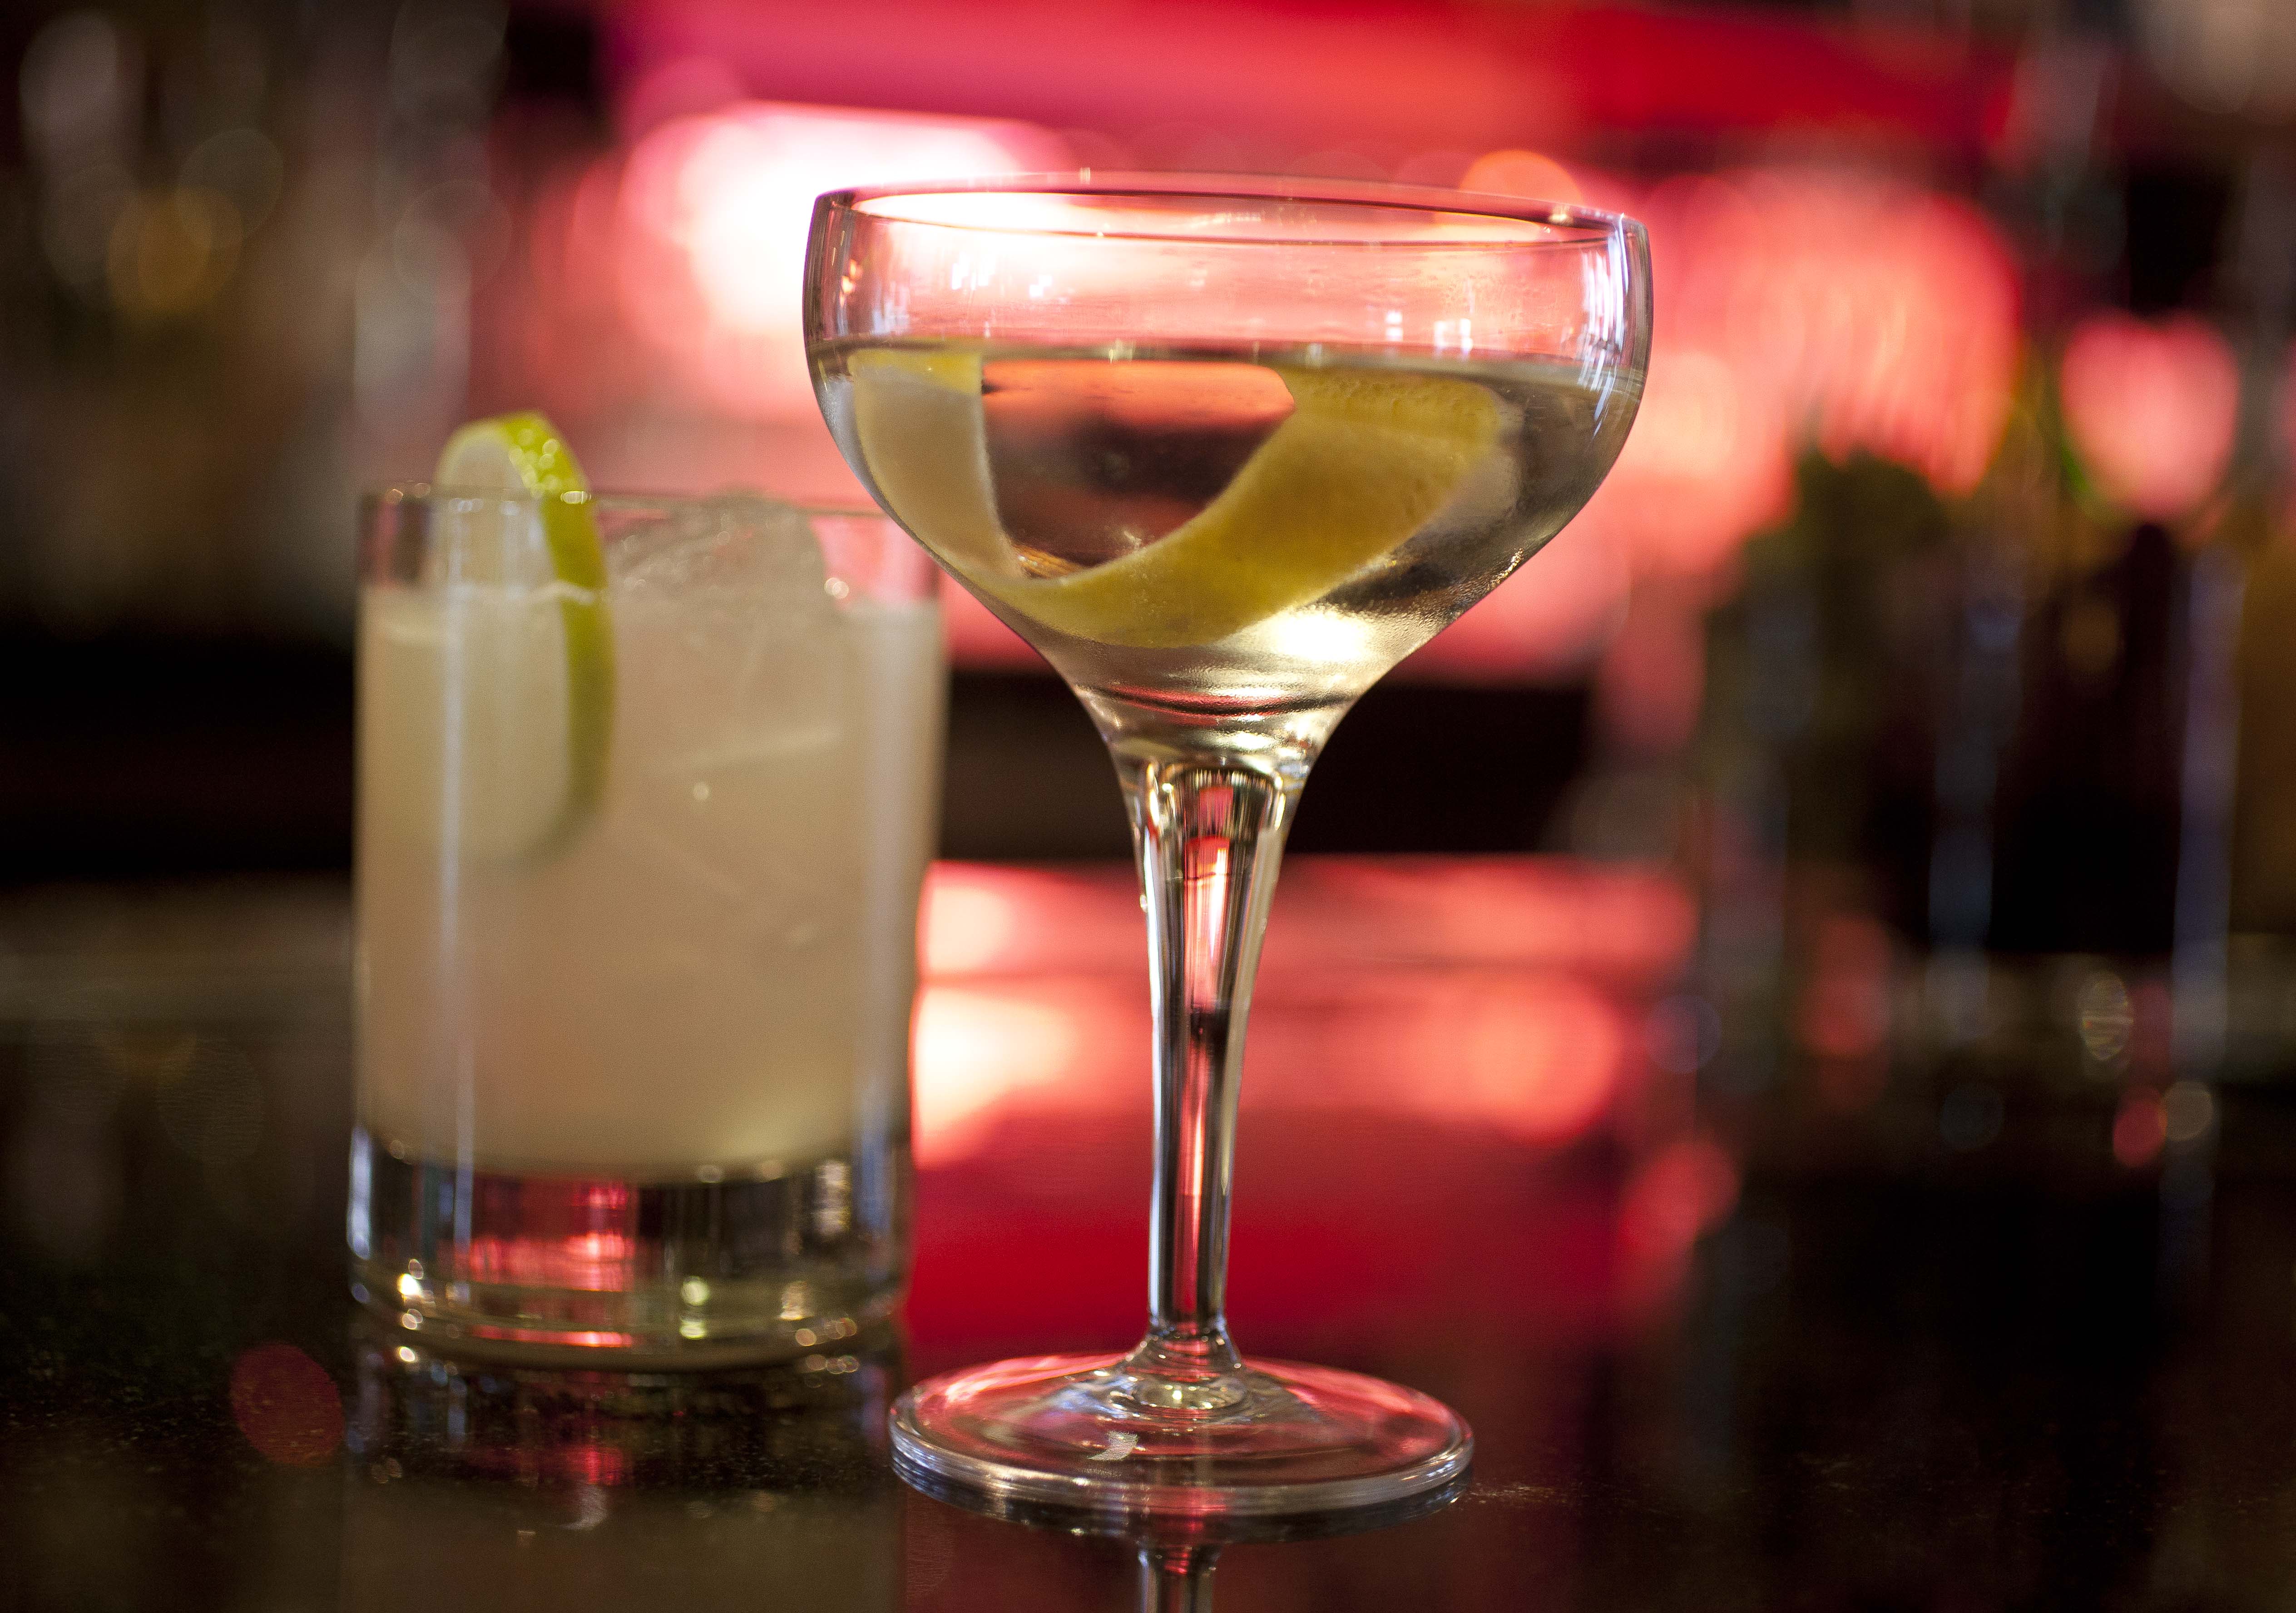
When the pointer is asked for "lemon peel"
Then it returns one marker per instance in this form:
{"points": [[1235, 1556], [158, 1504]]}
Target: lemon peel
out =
{"points": [[523, 455], [1365, 459]]}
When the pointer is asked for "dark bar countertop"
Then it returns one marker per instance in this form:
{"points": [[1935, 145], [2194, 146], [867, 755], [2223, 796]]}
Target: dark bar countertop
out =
{"points": [[1914, 1333]]}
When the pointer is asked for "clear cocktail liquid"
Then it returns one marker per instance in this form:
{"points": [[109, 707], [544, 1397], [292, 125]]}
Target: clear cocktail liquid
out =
{"points": [[1095, 454]]}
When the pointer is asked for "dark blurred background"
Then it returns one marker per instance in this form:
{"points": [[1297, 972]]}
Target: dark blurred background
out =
{"points": [[1973, 335], [1855, 1171]]}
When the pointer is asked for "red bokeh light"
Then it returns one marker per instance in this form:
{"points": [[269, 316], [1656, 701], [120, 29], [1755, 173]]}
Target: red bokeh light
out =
{"points": [[1520, 172], [1798, 307], [1547, 621], [1872, 315], [2151, 409], [1679, 1192], [1845, 1006], [1372, 77], [1707, 467], [1470, 1032], [286, 1405], [583, 1234], [2139, 1129], [1625, 927]]}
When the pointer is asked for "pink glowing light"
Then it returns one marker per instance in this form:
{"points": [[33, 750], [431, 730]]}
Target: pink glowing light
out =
{"points": [[1676, 1196], [1876, 317], [1310, 74], [1490, 994], [1554, 617], [1706, 466], [1800, 308], [2151, 409], [1521, 173], [594, 1464], [982, 919], [976, 637], [1535, 1059], [714, 210], [1845, 1007], [978, 1047], [1615, 925], [1651, 684], [1529, 1055]]}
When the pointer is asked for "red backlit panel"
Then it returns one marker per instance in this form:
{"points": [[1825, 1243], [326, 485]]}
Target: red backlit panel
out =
{"points": [[1472, 1034], [1337, 77]]}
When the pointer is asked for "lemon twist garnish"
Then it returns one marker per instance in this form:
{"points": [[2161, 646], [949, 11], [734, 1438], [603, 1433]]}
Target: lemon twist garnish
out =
{"points": [[524, 456], [1363, 460]]}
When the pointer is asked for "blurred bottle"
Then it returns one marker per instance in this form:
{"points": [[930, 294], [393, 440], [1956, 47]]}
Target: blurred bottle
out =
{"points": [[1818, 745], [2088, 816], [1953, 755]]}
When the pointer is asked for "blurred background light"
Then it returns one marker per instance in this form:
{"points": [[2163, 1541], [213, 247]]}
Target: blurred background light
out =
{"points": [[1495, 995], [712, 220], [2225, 55], [286, 1405], [2151, 408]]}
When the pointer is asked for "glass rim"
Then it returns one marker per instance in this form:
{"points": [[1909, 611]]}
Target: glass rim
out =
{"points": [[1587, 224]]}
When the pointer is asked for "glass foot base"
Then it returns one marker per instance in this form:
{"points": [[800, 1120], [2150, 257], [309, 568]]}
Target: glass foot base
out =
{"points": [[1071, 1431]]}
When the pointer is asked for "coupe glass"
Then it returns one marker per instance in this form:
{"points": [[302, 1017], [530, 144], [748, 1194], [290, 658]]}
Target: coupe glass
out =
{"points": [[1224, 451]]}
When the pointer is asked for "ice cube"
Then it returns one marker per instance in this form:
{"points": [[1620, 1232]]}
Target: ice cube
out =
{"points": [[729, 643], [735, 736], [742, 542]]}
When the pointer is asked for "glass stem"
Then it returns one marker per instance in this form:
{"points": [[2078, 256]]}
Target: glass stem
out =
{"points": [[1210, 835], [1177, 1579]]}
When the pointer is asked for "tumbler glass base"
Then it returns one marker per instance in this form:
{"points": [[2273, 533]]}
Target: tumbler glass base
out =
{"points": [[1068, 1431], [624, 1273]]}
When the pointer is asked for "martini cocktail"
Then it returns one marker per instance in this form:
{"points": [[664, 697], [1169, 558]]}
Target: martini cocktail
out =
{"points": [[1225, 451]]}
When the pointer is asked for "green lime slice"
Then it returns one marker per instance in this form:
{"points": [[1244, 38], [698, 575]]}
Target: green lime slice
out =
{"points": [[523, 455], [1363, 460]]}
